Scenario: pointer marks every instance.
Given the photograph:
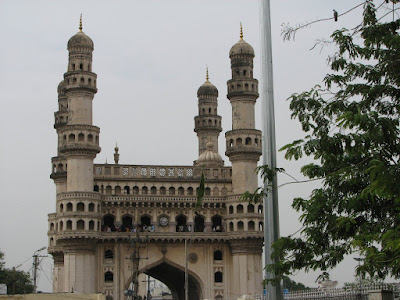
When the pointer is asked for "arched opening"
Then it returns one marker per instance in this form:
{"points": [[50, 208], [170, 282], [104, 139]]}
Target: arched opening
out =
{"points": [[230, 143], [80, 206], [231, 209], [217, 255], [108, 277], [251, 226], [240, 226], [190, 191], [51, 226], [244, 72], [145, 223], [61, 207], [127, 224], [108, 189], [217, 223], [239, 209], [207, 191], [255, 142], [69, 206], [218, 277], [81, 137], [135, 190], [181, 191], [238, 142], [181, 223], [248, 141], [108, 254], [199, 223], [260, 209], [71, 137], [127, 190], [172, 190], [96, 188], [250, 208], [163, 190], [69, 225], [91, 225], [261, 226], [117, 190], [174, 278], [61, 226], [90, 138], [80, 225], [144, 190], [231, 226], [153, 190], [108, 223]]}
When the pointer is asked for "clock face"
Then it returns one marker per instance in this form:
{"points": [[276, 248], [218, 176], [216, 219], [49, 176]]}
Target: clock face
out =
{"points": [[163, 221]]}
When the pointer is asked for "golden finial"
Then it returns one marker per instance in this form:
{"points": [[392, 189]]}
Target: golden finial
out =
{"points": [[80, 24], [207, 77], [241, 31]]}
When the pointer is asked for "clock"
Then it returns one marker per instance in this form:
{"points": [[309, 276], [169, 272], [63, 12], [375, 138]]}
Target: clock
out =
{"points": [[163, 221]]}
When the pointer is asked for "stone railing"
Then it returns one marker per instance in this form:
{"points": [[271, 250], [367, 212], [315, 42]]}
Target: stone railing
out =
{"points": [[165, 173]]}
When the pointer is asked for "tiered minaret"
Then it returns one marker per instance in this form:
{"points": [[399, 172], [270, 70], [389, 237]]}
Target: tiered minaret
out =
{"points": [[75, 227], [243, 147], [207, 124], [243, 142]]}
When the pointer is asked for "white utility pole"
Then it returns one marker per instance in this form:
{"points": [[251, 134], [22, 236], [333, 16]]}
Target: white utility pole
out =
{"points": [[271, 212]]}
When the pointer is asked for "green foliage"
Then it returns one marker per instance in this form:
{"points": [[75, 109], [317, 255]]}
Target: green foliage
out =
{"points": [[351, 127], [292, 285], [258, 195], [14, 279]]}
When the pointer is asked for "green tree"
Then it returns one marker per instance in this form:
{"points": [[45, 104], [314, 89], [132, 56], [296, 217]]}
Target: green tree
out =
{"points": [[14, 279], [292, 285], [351, 126]]}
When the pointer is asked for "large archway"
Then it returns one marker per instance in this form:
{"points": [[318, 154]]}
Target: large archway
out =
{"points": [[173, 277]]}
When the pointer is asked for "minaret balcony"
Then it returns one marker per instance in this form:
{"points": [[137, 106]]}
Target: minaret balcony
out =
{"points": [[80, 79], [60, 119], [243, 143], [59, 168], [207, 123], [243, 89]]}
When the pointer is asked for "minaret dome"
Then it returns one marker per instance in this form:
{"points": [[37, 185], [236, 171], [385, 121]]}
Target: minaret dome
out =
{"points": [[241, 47], [80, 41]]}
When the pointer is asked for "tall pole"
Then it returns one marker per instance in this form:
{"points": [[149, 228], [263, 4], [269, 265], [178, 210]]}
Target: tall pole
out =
{"points": [[271, 212], [186, 272], [35, 266]]}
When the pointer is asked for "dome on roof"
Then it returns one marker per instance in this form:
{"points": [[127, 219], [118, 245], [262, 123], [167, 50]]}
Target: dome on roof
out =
{"points": [[207, 88], [210, 157], [80, 40], [241, 47]]}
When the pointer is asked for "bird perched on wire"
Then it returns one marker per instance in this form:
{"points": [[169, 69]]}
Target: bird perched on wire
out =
{"points": [[335, 15]]}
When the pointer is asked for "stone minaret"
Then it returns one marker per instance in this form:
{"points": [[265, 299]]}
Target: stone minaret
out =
{"points": [[243, 147], [243, 142], [207, 124], [77, 218]]}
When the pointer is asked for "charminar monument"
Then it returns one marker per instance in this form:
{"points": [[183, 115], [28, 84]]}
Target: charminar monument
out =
{"points": [[116, 222]]}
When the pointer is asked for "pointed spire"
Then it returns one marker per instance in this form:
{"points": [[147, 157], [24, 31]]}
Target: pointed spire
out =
{"points": [[80, 24], [241, 31], [207, 77]]}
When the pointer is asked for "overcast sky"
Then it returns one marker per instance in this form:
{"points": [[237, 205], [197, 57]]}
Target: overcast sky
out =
{"points": [[150, 57]]}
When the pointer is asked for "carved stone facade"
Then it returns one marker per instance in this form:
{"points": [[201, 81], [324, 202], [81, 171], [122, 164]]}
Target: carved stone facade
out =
{"points": [[114, 222]]}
